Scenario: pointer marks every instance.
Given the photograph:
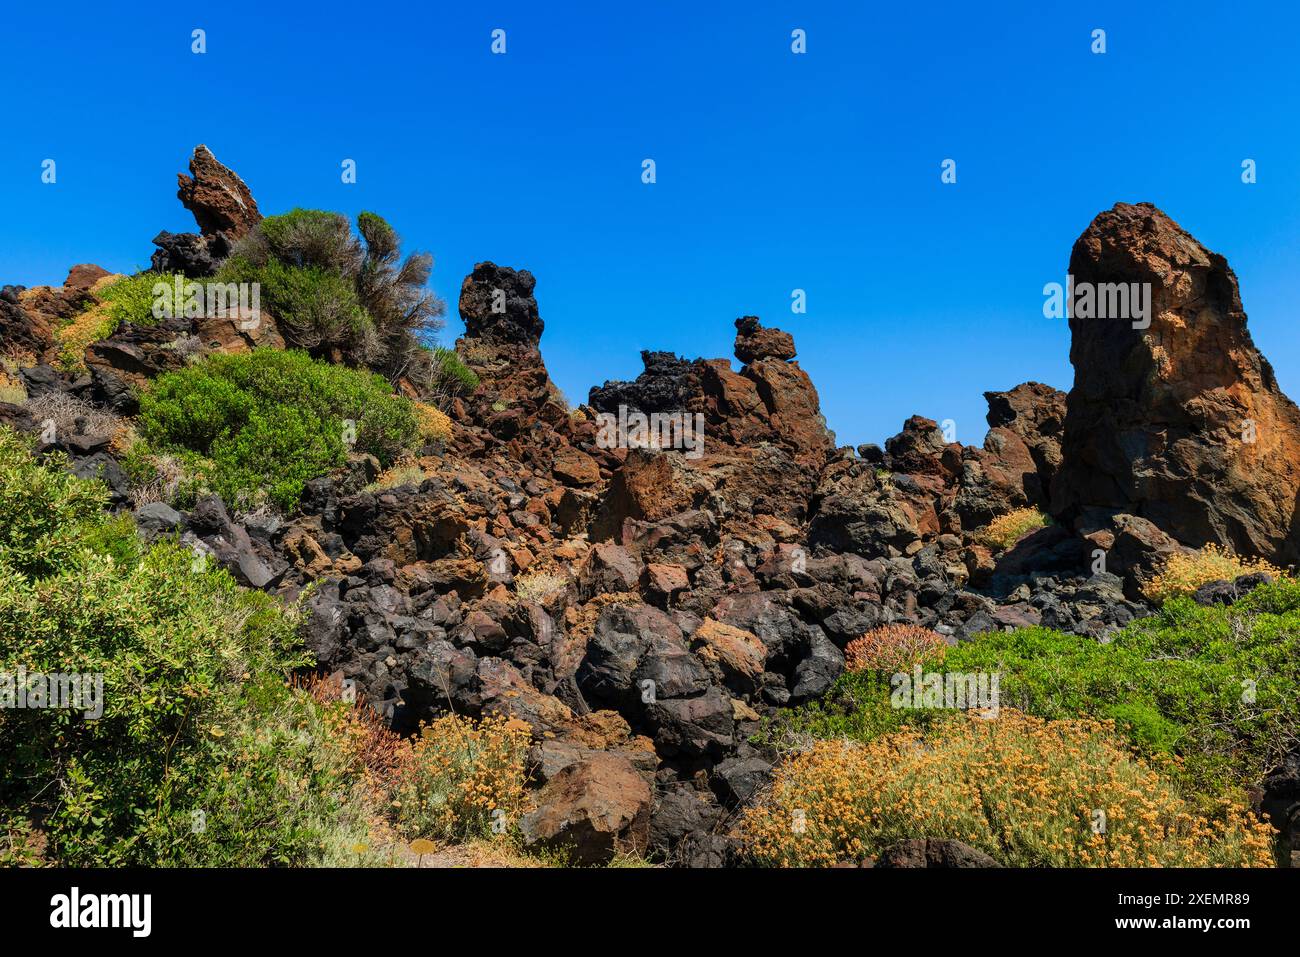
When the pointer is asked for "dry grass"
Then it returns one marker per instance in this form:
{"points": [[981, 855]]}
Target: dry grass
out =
{"points": [[398, 474], [79, 332], [537, 586], [66, 412], [1182, 574], [1027, 791], [1005, 530], [12, 389], [893, 648]]}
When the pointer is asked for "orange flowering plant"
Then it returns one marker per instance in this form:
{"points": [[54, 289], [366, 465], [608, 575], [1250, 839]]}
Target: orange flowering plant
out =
{"points": [[1027, 791]]}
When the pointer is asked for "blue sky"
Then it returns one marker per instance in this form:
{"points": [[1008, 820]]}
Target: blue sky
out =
{"points": [[775, 171]]}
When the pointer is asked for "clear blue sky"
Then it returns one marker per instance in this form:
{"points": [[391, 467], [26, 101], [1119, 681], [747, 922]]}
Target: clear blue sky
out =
{"points": [[775, 171]]}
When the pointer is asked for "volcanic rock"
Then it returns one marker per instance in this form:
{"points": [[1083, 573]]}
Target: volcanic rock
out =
{"points": [[933, 852], [1181, 423], [753, 342], [497, 305], [220, 201], [595, 808]]}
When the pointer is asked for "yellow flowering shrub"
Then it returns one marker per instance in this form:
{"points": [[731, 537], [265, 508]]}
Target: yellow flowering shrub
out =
{"points": [[435, 425], [80, 331], [894, 648], [1005, 530], [1027, 791], [1182, 574], [458, 776]]}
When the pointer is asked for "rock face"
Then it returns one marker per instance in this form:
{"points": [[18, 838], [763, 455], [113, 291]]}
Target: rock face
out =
{"points": [[595, 807], [224, 208], [1030, 417], [497, 305], [933, 852], [29, 317], [1181, 423], [220, 201]]}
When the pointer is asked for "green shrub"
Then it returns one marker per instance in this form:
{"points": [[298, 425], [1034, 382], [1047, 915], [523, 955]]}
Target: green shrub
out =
{"points": [[451, 376], [131, 298], [270, 420], [1215, 689], [43, 512], [343, 295], [315, 308], [202, 755]]}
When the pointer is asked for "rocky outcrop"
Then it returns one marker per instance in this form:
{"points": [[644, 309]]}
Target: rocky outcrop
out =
{"points": [[643, 607], [190, 254], [1025, 425], [220, 201], [665, 385], [1181, 423], [29, 317], [224, 208], [498, 305], [753, 342]]}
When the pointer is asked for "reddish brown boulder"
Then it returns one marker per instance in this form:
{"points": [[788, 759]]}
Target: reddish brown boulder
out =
{"points": [[666, 580], [1033, 416], [608, 569], [595, 808], [575, 467], [753, 342], [1182, 422], [739, 654], [220, 201]]}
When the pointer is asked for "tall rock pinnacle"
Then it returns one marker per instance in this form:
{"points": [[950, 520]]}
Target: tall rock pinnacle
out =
{"points": [[1180, 422]]}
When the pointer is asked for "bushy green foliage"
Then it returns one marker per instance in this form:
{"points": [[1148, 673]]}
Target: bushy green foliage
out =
{"points": [[203, 754], [346, 296], [1215, 689], [315, 307], [451, 376], [45, 511], [270, 420], [131, 298]]}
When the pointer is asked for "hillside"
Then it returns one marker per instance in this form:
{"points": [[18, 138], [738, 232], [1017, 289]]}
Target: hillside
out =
{"points": [[357, 598]]}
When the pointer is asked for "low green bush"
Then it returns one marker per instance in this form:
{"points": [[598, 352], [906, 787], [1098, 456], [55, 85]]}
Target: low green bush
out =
{"points": [[346, 296], [271, 420], [45, 511], [315, 307], [1215, 690], [451, 376], [201, 753], [131, 298]]}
